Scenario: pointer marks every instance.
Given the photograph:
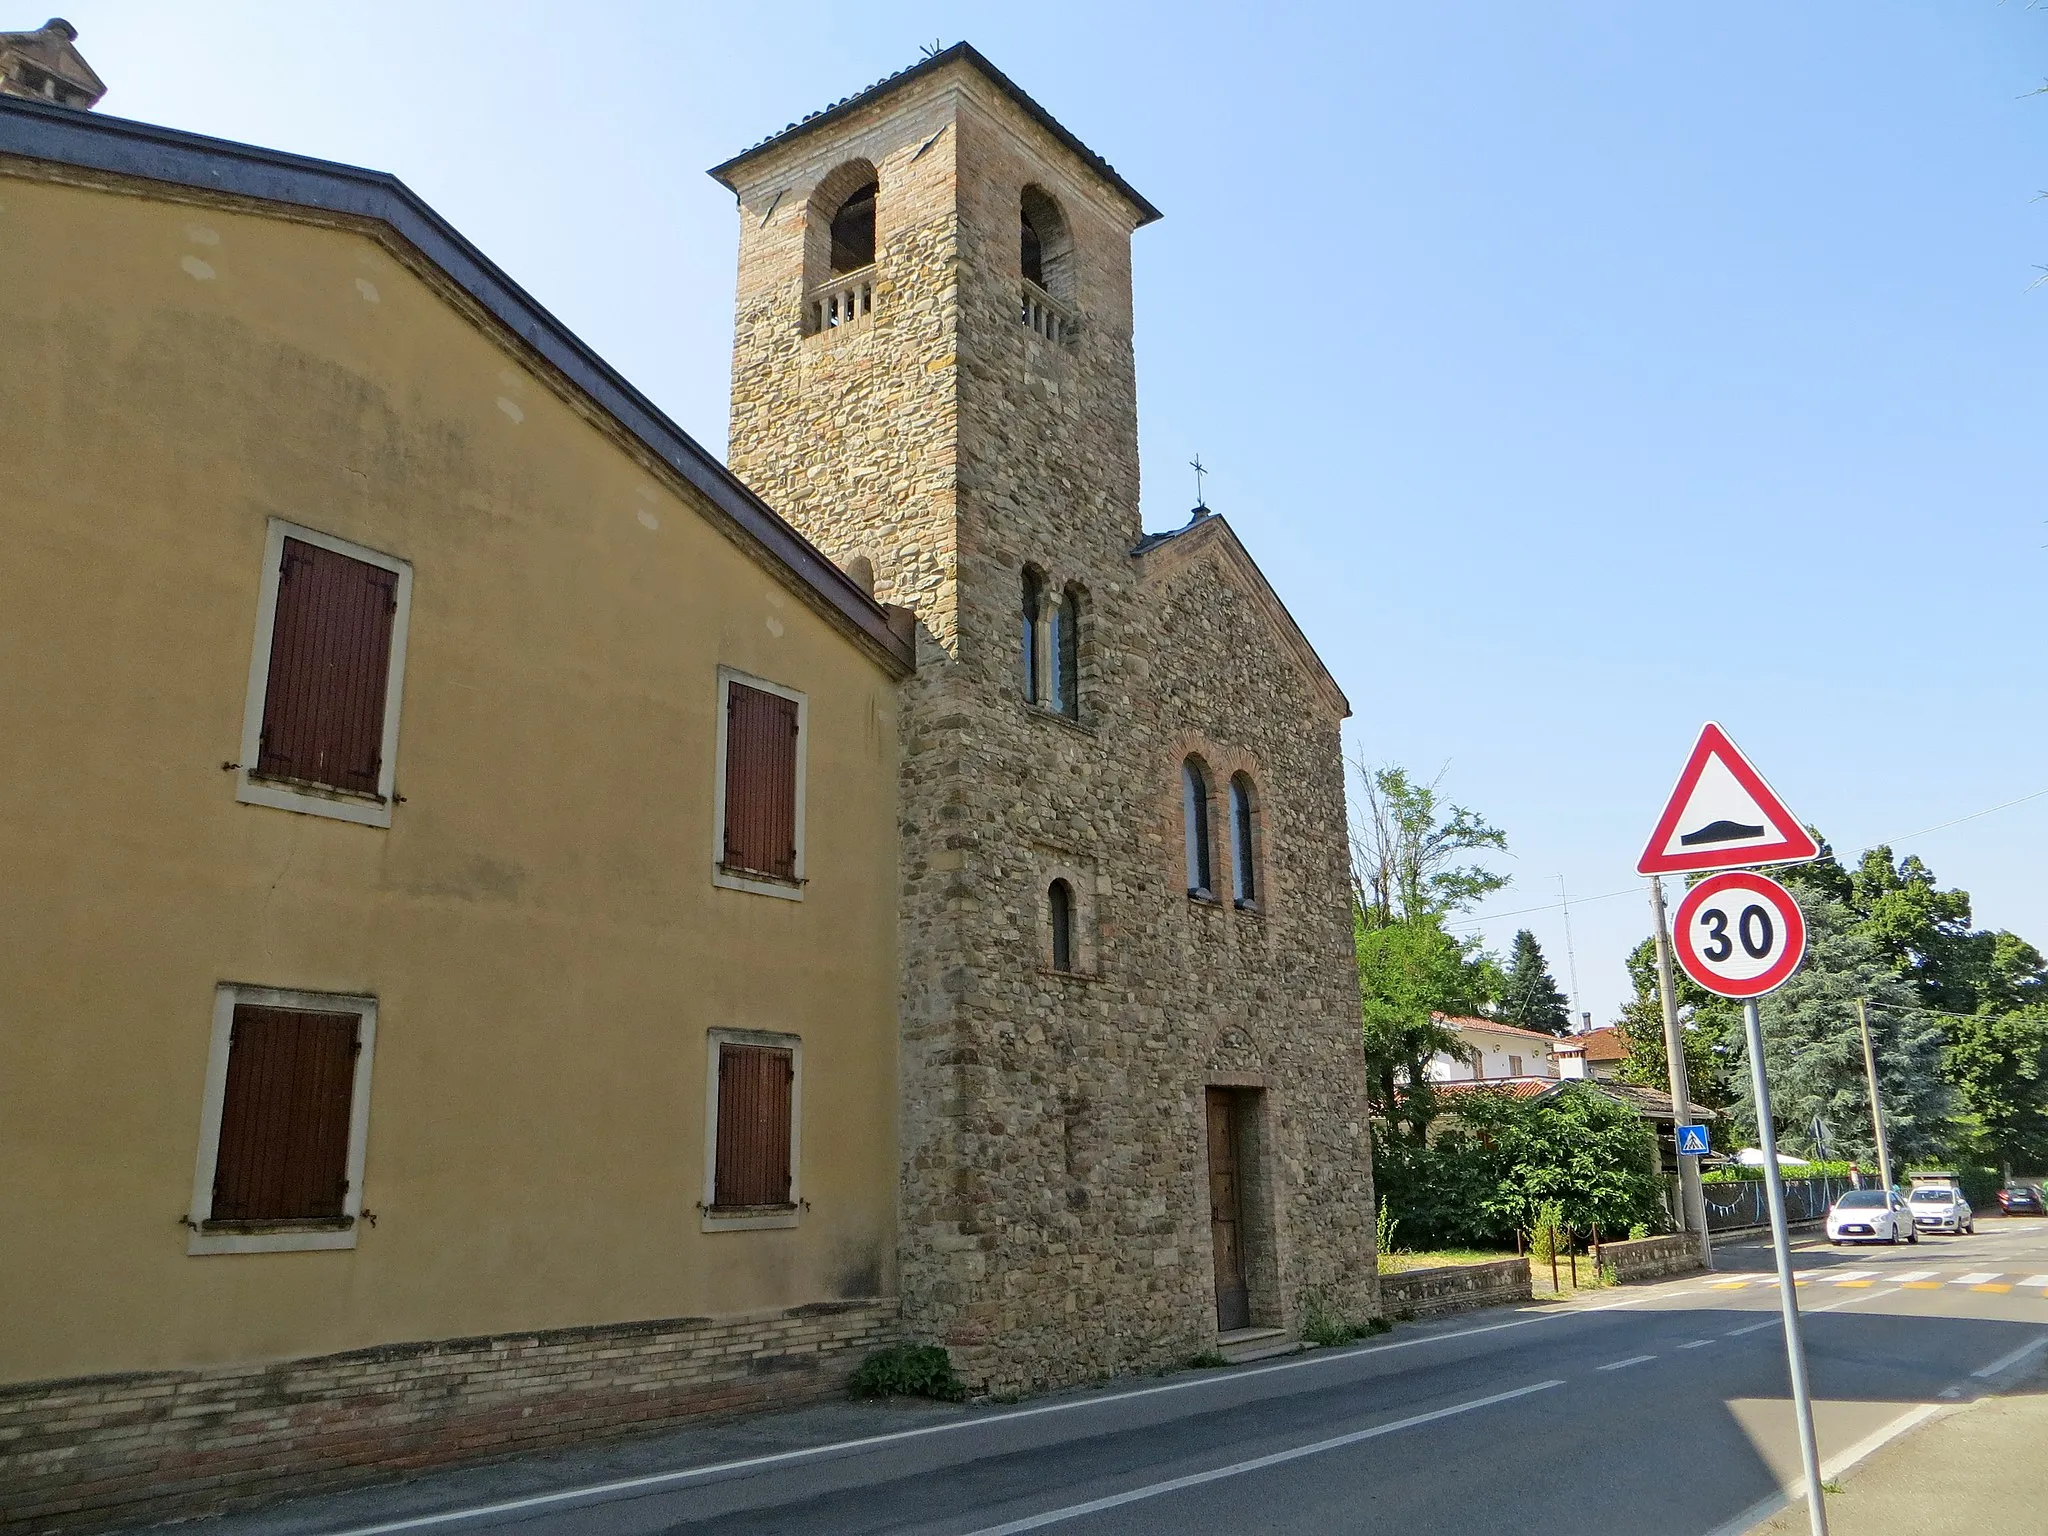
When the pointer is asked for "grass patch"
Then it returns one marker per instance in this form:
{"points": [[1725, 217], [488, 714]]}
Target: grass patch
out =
{"points": [[1207, 1360], [1323, 1325], [1437, 1258], [908, 1370]]}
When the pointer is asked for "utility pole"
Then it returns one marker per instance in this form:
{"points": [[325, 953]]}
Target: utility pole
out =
{"points": [[1884, 1156], [1690, 1195]]}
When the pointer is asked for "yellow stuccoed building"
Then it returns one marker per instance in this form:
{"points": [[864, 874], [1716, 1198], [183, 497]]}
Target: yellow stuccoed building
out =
{"points": [[508, 939]]}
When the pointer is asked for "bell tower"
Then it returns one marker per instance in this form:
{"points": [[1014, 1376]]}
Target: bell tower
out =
{"points": [[933, 380]]}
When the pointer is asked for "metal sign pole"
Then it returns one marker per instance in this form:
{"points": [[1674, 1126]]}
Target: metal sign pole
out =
{"points": [[1788, 1291]]}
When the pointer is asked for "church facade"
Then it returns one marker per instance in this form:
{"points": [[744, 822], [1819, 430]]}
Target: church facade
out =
{"points": [[527, 931], [1133, 1109]]}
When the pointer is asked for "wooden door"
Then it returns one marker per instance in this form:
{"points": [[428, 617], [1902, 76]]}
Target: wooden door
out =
{"points": [[1226, 1227]]}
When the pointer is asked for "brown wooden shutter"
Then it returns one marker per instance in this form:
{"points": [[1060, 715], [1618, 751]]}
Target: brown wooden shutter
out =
{"points": [[330, 664], [283, 1153], [760, 781], [754, 1088]]}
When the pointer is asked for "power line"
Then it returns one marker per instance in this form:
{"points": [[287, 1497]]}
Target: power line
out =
{"points": [[1944, 825]]}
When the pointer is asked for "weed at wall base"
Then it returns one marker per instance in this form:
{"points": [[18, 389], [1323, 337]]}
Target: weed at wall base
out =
{"points": [[908, 1370]]}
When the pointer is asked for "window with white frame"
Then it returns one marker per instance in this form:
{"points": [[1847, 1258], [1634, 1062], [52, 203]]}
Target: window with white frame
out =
{"points": [[320, 725], [753, 1120], [284, 1122], [759, 797]]}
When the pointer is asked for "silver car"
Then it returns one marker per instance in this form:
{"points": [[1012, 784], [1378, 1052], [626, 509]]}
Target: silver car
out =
{"points": [[1938, 1208]]}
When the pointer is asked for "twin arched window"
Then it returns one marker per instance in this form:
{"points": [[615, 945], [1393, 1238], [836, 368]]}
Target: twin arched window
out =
{"points": [[1050, 646], [1194, 799]]}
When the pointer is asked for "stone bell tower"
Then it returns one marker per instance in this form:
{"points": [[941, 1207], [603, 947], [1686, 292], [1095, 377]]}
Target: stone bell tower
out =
{"points": [[933, 380]]}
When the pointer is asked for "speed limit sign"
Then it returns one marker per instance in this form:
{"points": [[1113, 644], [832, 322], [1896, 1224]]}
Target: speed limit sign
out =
{"points": [[1739, 934]]}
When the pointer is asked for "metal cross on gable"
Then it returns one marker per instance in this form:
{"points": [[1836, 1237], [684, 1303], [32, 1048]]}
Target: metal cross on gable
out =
{"points": [[1196, 465]]}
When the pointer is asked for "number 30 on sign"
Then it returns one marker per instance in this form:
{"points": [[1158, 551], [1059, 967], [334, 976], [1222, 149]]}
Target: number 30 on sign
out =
{"points": [[1739, 934]]}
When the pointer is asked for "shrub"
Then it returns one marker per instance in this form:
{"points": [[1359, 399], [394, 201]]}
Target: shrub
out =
{"points": [[1640, 1230], [1322, 1324], [1547, 1236], [908, 1370]]}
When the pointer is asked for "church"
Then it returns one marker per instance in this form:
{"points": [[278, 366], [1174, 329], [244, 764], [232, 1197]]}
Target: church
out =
{"points": [[583, 935]]}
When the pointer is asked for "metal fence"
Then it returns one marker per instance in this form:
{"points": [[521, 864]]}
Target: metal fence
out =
{"points": [[1743, 1204]]}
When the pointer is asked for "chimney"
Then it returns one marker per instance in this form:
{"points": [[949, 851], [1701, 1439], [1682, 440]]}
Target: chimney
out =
{"points": [[45, 65]]}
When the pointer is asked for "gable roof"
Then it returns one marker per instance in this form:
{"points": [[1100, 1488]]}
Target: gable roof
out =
{"points": [[963, 53], [1648, 1103], [1159, 554], [45, 65], [1493, 1026], [379, 204], [1602, 1044]]}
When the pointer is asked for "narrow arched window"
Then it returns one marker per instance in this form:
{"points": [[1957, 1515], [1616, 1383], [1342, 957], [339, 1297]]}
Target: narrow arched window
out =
{"points": [[1243, 875], [1059, 903], [1034, 603], [1194, 797], [853, 231], [1066, 655]]}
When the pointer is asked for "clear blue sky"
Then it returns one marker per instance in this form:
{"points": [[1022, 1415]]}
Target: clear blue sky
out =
{"points": [[1577, 372]]}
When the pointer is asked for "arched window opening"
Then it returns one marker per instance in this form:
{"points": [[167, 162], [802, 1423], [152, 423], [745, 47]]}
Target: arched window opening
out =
{"points": [[1032, 616], [1059, 901], [853, 231], [1045, 259], [1066, 655], [1243, 875], [1194, 797]]}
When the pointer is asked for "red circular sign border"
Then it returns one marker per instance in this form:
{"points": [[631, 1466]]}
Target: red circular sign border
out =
{"points": [[1765, 981]]}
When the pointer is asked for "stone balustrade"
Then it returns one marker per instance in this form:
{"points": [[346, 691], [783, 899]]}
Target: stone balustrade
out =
{"points": [[1045, 315], [848, 297]]}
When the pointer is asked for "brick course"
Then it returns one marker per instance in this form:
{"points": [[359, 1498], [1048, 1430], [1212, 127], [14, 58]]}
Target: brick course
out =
{"points": [[144, 1446]]}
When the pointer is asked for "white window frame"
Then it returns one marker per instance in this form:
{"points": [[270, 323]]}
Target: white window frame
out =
{"points": [[760, 1220], [314, 1235], [336, 803], [734, 880]]}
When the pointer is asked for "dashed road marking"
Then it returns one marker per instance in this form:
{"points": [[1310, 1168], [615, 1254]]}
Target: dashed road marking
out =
{"points": [[1696, 1344], [1620, 1365]]}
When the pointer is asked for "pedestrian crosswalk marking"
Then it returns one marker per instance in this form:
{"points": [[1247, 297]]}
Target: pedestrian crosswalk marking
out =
{"points": [[1911, 1280]]}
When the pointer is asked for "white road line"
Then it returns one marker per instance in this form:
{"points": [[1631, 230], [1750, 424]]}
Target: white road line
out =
{"points": [[2006, 1361], [1696, 1344], [1736, 1333], [1981, 1277], [1849, 1301], [1915, 1274], [1622, 1365], [1257, 1463], [715, 1471], [2041, 1280], [1847, 1274], [1830, 1469]]}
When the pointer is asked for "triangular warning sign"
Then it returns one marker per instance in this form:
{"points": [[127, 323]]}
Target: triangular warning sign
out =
{"points": [[1723, 815]]}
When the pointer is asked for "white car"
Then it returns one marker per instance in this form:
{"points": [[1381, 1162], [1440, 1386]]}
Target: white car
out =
{"points": [[1937, 1208], [1872, 1216]]}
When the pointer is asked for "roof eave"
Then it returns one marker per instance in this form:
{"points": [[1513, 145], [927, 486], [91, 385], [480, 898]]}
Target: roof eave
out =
{"points": [[114, 146], [724, 172]]}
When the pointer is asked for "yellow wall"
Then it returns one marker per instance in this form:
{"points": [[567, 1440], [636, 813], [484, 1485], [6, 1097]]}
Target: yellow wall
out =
{"points": [[538, 924]]}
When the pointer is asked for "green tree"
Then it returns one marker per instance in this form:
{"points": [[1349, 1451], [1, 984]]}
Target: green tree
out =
{"points": [[1998, 1064], [1408, 972], [1407, 879], [1702, 1026], [1814, 1048], [1529, 996], [1405, 846]]}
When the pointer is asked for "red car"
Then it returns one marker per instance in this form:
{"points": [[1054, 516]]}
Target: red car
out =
{"points": [[2023, 1200]]}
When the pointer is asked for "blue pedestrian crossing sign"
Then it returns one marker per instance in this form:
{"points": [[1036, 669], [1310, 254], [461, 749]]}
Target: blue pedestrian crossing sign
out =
{"points": [[1692, 1141]]}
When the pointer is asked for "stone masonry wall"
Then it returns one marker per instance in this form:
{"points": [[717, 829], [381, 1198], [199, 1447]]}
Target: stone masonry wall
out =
{"points": [[1454, 1288], [157, 1445], [1650, 1258], [1054, 1201]]}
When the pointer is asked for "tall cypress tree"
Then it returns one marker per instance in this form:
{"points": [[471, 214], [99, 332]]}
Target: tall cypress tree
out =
{"points": [[1530, 999]]}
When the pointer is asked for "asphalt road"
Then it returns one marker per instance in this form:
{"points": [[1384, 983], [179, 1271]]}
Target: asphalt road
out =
{"points": [[1647, 1409]]}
